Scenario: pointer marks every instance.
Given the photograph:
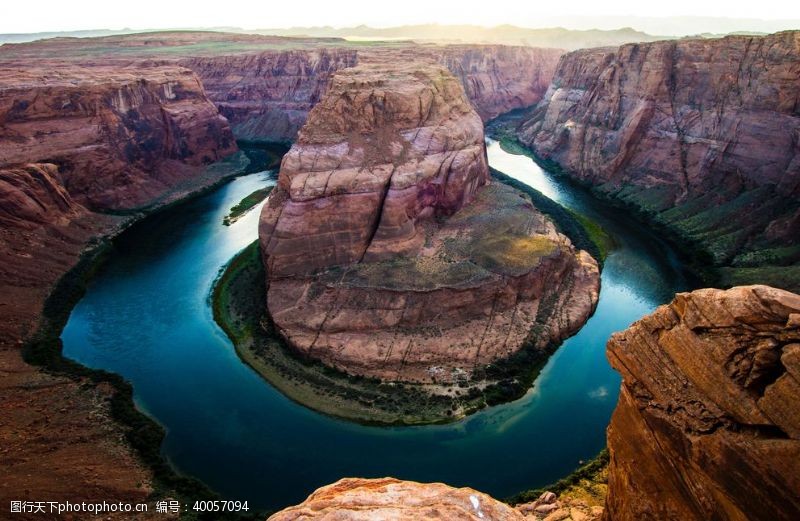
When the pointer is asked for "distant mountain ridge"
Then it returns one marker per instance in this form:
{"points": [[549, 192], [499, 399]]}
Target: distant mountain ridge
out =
{"points": [[557, 37]]}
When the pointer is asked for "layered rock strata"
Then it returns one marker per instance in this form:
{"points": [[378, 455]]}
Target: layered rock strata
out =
{"points": [[267, 96], [353, 499], [122, 137], [265, 85], [57, 437], [386, 254], [700, 134], [708, 420]]}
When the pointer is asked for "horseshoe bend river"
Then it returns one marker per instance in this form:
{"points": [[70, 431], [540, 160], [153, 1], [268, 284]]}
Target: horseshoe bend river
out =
{"points": [[146, 316]]}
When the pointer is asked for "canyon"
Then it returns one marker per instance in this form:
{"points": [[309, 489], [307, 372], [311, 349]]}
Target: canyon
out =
{"points": [[96, 132], [700, 136], [706, 426], [388, 252]]}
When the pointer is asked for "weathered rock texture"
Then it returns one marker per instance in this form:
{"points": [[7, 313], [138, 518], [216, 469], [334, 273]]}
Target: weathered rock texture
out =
{"points": [[122, 137], [708, 420], [56, 435], [267, 96], [386, 258], [266, 85], [353, 499], [703, 135], [499, 78]]}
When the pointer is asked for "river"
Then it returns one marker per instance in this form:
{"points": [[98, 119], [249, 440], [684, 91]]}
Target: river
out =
{"points": [[146, 316]]}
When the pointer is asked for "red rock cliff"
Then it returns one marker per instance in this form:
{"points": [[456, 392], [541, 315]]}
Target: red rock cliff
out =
{"points": [[122, 137], [268, 95], [701, 134], [708, 420], [386, 257], [499, 78]]}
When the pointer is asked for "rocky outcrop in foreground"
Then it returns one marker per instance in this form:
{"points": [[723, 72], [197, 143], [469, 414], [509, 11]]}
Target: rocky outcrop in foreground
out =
{"points": [[702, 135], [708, 420], [386, 254], [388, 498], [122, 137]]}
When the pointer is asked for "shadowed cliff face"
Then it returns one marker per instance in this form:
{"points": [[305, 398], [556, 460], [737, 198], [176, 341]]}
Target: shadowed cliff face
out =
{"points": [[703, 135], [268, 95], [387, 256], [708, 421], [122, 137]]}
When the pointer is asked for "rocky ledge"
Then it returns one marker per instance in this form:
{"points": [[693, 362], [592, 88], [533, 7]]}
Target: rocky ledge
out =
{"points": [[708, 420], [389, 253], [353, 499]]}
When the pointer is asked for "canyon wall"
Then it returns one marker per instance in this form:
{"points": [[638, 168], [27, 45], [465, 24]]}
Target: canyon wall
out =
{"points": [[500, 78], [57, 436], [388, 256], [75, 139], [701, 135], [122, 137], [708, 421], [267, 96]]}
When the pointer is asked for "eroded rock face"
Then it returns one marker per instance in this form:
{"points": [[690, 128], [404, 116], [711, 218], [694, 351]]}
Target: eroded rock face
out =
{"points": [[268, 95], [352, 499], [500, 78], [387, 256], [122, 137], [701, 134], [266, 85], [708, 421], [384, 147]]}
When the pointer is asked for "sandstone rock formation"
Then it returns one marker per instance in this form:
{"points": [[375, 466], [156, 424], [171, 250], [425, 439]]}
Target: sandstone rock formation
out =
{"points": [[122, 137], [56, 435], [353, 499], [499, 78], [110, 138], [700, 134], [708, 420], [268, 95], [265, 85], [388, 498], [386, 258]]}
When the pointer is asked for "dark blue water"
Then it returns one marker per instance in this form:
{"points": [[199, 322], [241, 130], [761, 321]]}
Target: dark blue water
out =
{"points": [[146, 316]]}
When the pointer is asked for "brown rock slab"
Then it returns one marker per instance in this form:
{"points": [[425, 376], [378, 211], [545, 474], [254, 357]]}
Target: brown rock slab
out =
{"points": [[707, 422]]}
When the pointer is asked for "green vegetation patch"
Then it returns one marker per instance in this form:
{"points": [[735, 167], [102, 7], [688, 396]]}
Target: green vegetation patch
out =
{"points": [[518, 253], [591, 238], [245, 205], [588, 483]]}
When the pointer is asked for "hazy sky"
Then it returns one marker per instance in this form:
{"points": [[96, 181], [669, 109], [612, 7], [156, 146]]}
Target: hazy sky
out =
{"points": [[19, 16]]}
